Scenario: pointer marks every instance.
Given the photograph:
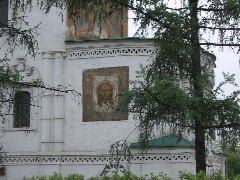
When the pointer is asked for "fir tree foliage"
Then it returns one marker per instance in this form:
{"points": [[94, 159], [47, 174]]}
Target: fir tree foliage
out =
{"points": [[159, 100]]}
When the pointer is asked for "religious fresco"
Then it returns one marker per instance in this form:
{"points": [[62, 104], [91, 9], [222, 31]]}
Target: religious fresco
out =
{"points": [[86, 25], [102, 90]]}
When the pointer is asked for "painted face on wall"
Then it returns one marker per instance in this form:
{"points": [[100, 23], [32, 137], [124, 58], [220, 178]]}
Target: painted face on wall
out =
{"points": [[105, 95], [102, 90]]}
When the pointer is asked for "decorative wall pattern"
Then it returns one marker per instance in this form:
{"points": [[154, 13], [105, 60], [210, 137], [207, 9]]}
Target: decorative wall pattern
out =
{"points": [[102, 90], [84, 159], [110, 52]]}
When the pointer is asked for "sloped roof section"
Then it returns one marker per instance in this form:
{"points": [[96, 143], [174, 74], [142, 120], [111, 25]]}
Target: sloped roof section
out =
{"points": [[167, 141]]}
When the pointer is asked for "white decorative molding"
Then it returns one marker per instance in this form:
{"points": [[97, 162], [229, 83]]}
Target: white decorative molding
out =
{"points": [[50, 55], [84, 159], [10, 160], [110, 52]]}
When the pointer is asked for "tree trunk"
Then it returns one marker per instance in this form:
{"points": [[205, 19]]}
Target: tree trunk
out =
{"points": [[200, 153]]}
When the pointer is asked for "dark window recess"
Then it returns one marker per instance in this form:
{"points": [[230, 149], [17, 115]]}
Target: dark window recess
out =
{"points": [[2, 171], [3, 12], [21, 110]]}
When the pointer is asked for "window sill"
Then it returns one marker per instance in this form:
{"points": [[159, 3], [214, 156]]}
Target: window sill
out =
{"points": [[19, 129]]}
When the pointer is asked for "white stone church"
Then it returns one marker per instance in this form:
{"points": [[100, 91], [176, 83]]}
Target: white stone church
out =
{"points": [[72, 132]]}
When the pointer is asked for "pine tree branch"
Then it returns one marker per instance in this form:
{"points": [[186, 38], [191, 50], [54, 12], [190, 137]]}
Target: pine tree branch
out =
{"points": [[12, 29], [6, 100], [3, 25], [46, 88], [218, 28], [178, 124], [210, 9], [139, 10], [220, 126], [176, 9], [220, 44]]}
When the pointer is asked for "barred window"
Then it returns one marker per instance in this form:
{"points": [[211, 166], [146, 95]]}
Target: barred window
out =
{"points": [[3, 12], [21, 110]]}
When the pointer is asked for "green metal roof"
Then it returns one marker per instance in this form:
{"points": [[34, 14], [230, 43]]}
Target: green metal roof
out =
{"points": [[167, 141]]}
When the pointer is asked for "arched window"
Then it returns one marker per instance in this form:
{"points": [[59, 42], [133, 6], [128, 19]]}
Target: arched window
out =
{"points": [[21, 109]]}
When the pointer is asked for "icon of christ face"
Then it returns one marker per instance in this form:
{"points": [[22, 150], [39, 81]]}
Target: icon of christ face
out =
{"points": [[105, 96], [102, 90]]}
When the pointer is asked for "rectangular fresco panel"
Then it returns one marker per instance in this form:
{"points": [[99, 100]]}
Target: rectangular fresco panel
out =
{"points": [[102, 90]]}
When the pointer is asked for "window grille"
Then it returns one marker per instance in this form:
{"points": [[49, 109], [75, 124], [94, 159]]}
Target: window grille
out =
{"points": [[3, 12], [21, 110]]}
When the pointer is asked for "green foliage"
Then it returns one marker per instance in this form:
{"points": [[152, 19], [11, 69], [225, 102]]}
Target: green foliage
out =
{"points": [[74, 177], [7, 76], [126, 176], [161, 176], [129, 176], [163, 102], [159, 103], [56, 176], [201, 176], [233, 164]]}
